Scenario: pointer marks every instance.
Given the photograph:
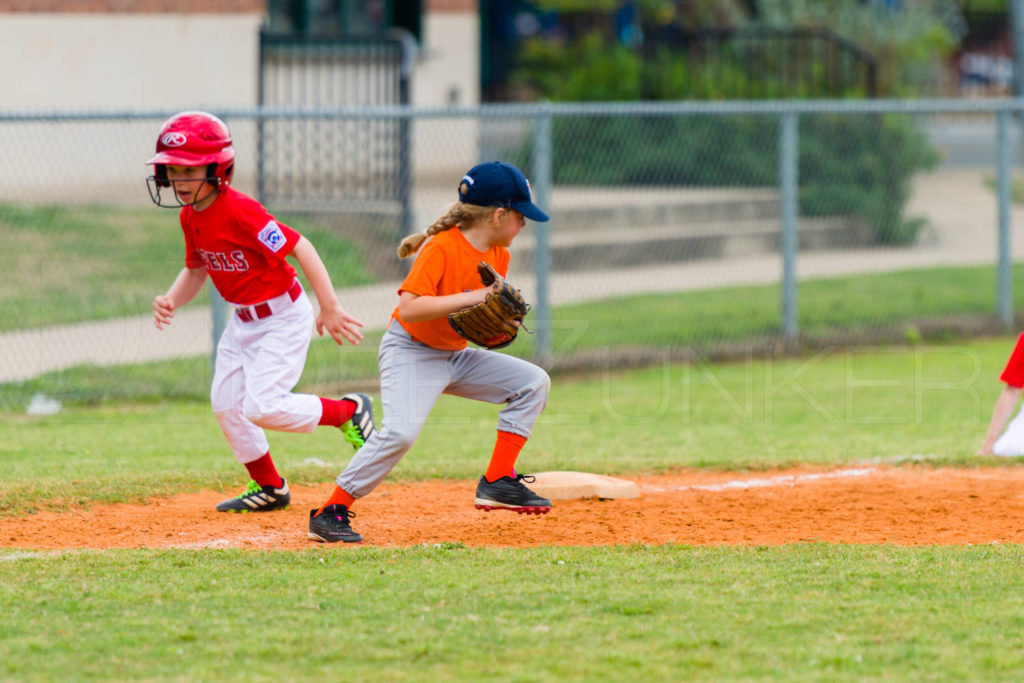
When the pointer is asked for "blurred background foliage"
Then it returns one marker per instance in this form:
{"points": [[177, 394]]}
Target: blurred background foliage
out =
{"points": [[659, 50]]}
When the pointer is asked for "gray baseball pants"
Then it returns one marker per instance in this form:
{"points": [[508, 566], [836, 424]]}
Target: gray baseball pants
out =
{"points": [[413, 376]]}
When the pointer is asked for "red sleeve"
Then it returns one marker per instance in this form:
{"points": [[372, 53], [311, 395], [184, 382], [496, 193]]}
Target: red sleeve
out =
{"points": [[1013, 375], [275, 238]]}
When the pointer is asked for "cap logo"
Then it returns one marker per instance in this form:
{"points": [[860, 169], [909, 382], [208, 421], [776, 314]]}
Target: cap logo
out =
{"points": [[173, 139]]}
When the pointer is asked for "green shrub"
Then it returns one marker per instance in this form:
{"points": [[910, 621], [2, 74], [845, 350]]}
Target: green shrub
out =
{"points": [[861, 166], [849, 165], [853, 165]]}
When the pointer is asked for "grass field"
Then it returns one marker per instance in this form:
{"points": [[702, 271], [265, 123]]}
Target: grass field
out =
{"points": [[856, 309], [807, 611], [447, 612], [68, 264]]}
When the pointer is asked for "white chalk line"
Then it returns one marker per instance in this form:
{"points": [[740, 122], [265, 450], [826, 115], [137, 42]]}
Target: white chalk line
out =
{"points": [[781, 480]]}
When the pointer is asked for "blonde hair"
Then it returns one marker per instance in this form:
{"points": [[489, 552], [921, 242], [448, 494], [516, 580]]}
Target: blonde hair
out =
{"points": [[460, 215]]}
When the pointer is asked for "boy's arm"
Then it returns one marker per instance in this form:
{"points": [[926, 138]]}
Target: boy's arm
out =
{"points": [[1000, 414], [332, 317], [185, 287]]}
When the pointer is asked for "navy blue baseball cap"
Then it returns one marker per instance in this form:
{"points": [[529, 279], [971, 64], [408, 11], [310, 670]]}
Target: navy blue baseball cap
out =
{"points": [[496, 183]]}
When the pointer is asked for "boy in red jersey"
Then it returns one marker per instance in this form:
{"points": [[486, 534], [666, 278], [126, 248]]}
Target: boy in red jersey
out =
{"points": [[232, 239]]}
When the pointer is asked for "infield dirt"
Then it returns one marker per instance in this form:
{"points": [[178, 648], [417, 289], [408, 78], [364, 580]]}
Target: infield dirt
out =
{"points": [[906, 505]]}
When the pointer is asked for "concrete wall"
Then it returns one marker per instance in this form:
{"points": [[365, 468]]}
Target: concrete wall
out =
{"points": [[101, 61], [447, 74], [93, 58]]}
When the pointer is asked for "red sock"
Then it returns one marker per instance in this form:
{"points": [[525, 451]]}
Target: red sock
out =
{"points": [[503, 460], [339, 497], [337, 413], [264, 473]]}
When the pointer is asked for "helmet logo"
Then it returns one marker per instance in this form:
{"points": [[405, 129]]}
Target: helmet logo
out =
{"points": [[173, 139]]}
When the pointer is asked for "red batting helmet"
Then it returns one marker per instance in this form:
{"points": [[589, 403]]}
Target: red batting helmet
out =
{"points": [[194, 138]]}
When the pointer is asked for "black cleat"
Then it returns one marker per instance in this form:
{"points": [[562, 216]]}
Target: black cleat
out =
{"points": [[510, 494], [360, 427], [332, 525], [258, 498]]}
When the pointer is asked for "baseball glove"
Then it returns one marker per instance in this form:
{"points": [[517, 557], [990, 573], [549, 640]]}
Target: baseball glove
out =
{"points": [[490, 322]]}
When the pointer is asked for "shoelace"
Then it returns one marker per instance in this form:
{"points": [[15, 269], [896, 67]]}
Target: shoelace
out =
{"points": [[528, 478], [251, 488], [346, 515]]}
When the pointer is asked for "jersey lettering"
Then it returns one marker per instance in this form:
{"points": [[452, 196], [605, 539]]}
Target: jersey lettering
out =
{"points": [[228, 262], [238, 258]]}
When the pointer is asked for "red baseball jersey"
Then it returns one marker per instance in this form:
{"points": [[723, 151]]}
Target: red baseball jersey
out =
{"points": [[242, 247], [1013, 375]]}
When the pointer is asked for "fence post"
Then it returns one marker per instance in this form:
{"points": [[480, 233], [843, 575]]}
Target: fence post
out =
{"points": [[406, 174], [1003, 189], [788, 214], [1017, 40], [260, 131], [541, 187]]}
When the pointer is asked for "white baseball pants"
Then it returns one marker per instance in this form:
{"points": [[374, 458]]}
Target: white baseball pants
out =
{"points": [[1011, 442], [258, 364]]}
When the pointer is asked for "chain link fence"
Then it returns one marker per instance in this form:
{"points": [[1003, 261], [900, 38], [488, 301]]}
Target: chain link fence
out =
{"points": [[679, 230]]}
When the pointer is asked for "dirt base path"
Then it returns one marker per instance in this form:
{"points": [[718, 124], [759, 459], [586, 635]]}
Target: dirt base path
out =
{"points": [[854, 504]]}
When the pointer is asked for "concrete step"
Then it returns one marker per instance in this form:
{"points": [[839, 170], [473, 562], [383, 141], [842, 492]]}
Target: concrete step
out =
{"points": [[600, 247], [588, 207]]}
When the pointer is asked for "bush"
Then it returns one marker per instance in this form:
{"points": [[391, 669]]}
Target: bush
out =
{"points": [[848, 165], [858, 165]]}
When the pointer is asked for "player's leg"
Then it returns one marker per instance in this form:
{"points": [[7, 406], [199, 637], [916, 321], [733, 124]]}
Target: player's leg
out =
{"points": [[277, 349], [412, 377], [499, 378], [274, 356], [523, 387], [1011, 442], [267, 490]]}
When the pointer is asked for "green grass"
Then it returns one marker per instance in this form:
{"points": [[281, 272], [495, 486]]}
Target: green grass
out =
{"points": [[827, 307], [66, 264], [806, 612], [861, 308], [837, 405], [447, 612]]}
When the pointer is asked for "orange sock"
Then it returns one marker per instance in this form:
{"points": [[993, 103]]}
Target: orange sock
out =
{"points": [[339, 497], [503, 460]]}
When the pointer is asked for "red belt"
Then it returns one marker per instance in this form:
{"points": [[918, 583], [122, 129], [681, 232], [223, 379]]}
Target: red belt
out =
{"points": [[266, 309]]}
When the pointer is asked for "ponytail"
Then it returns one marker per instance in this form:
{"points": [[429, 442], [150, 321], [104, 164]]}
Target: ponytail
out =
{"points": [[461, 215]]}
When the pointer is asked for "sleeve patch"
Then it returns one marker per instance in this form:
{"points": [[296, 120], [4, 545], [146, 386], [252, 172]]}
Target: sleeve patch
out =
{"points": [[271, 236]]}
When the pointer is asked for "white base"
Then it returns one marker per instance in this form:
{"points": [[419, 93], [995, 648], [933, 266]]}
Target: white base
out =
{"points": [[571, 485]]}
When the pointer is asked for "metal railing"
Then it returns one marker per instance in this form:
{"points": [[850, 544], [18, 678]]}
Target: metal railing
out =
{"points": [[646, 199]]}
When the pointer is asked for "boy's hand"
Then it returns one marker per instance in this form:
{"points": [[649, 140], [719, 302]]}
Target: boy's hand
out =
{"points": [[339, 324], [163, 311]]}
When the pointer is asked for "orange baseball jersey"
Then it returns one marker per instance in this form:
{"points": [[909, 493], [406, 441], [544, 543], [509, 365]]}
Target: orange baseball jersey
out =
{"points": [[242, 247], [446, 265]]}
